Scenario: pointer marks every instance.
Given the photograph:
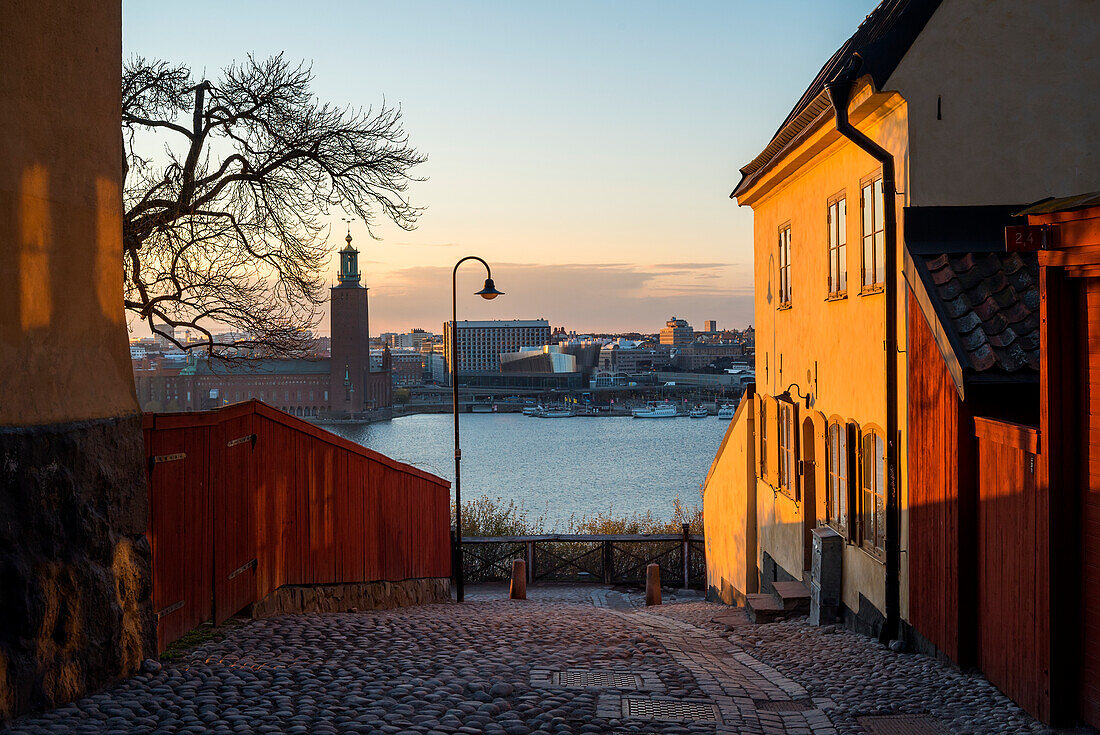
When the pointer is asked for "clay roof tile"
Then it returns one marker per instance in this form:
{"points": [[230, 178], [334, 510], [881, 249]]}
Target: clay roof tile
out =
{"points": [[990, 302]]}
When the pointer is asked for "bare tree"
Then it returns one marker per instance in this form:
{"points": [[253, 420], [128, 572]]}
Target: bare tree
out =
{"points": [[222, 223]]}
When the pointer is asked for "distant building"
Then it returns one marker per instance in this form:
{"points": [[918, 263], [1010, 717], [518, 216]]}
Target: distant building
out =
{"points": [[700, 355], [480, 343], [410, 341], [545, 359], [435, 368], [407, 367], [710, 325], [677, 333], [629, 361], [299, 387]]}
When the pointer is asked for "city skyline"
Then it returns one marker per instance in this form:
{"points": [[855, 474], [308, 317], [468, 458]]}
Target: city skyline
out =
{"points": [[585, 152]]}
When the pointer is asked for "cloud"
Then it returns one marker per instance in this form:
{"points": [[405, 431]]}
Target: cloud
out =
{"points": [[690, 266]]}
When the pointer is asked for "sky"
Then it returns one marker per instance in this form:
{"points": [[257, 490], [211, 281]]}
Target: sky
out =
{"points": [[586, 150]]}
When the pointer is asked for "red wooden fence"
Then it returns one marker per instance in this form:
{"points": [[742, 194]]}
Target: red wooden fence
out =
{"points": [[246, 499], [1013, 569]]}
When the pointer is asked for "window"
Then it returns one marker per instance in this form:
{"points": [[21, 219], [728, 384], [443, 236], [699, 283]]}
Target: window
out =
{"points": [[836, 498], [785, 266], [872, 504], [788, 465], [762, 429], [838, 240], [874, 236]]}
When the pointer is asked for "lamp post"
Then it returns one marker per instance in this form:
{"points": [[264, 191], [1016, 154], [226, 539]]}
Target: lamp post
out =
{"points": [[488, 292]]}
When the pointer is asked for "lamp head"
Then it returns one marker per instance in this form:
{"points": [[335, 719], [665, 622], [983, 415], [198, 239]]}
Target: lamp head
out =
{"points": [[489, 292]]}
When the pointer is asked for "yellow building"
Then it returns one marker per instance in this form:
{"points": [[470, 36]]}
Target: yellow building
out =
{"points": [[957, 97]]}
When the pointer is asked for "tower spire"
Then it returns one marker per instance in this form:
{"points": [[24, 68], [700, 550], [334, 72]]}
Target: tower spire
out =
{"points": [[349, 265]]}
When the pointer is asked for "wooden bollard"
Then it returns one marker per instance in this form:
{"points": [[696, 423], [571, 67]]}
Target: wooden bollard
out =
{"points": [[518, 588], [653, 585]]}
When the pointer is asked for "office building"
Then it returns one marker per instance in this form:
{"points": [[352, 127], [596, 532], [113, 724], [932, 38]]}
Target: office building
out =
{"points": [[481, 342], [677, 333]]}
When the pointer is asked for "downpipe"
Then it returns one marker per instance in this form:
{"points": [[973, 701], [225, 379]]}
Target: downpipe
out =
{"points": [[840, 90]]}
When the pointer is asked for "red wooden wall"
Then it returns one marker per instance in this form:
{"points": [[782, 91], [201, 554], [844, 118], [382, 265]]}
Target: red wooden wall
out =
{"points": [[246, 499], [1014, 574], [942, 499], [1089, 695]]}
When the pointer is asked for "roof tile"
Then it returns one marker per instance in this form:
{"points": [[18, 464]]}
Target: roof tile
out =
{"points": [[990, 301]]}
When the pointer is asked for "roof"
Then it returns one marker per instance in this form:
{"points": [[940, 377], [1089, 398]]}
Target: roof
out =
{"points": [[503, 323], [988, 304], [882, 40], [259, 367], [1063, 204]]}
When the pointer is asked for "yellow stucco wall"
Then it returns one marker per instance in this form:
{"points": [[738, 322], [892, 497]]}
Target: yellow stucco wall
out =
{"points": [[62, 329], [1017, 83], [831, 350], [730, 532]]}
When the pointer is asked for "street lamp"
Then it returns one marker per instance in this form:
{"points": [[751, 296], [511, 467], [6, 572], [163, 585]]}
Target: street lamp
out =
{"points": [[488, 292]]}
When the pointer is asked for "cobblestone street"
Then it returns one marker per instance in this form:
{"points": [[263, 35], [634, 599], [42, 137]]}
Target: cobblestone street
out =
{"points": [[567, 660]]}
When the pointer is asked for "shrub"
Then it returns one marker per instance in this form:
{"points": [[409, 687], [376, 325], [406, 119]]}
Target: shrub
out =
{"points": [[485, 516]]}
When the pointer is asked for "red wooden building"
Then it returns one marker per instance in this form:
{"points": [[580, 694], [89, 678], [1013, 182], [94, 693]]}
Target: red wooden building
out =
{"points": [[1004, 457]]}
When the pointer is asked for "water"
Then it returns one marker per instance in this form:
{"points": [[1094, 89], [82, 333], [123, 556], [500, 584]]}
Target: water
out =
{"points": [[558, 467]]}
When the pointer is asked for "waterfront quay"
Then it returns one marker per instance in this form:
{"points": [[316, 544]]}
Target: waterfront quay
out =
{"points": [[610, 401], [587, 659]]}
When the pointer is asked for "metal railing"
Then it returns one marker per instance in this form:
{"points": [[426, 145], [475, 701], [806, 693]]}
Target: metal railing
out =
{"points": [[597, 558]]}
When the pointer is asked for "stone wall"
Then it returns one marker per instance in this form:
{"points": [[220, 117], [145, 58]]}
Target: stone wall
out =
{"points": [[75, 608], [290, 599]]}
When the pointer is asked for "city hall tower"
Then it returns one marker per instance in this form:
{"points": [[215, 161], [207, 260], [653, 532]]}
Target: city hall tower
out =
{"points": [[349, 326]]}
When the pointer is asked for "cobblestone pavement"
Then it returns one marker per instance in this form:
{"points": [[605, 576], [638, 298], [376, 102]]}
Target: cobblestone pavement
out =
{"points": [[567, 660]]}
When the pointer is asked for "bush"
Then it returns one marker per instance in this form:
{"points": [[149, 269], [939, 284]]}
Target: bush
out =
{"points": [[485, 516]]}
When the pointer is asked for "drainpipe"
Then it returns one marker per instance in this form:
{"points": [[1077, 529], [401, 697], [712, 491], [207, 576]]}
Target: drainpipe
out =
{"points": [[840, 90]]}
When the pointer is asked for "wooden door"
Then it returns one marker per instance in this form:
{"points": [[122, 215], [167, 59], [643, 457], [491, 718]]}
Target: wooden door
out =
{"points": [[233, 492], [179, 532], [1089, 695]]}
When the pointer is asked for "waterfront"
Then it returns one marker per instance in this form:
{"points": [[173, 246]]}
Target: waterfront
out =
{"points": [[558, 467]]}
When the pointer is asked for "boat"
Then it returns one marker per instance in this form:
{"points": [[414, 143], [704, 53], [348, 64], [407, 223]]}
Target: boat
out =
{"points": [[556, 413], [655, 411], [727, 411], [532, 410], [699, 412]]}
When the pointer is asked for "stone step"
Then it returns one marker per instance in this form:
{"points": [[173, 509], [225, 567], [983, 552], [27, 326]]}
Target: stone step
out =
{"points": [[794, 596], [764, 608]]}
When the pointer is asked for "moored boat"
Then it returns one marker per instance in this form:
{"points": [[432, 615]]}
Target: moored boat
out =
{"points": [[727, 411], [655, 411], [699, 412]]}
